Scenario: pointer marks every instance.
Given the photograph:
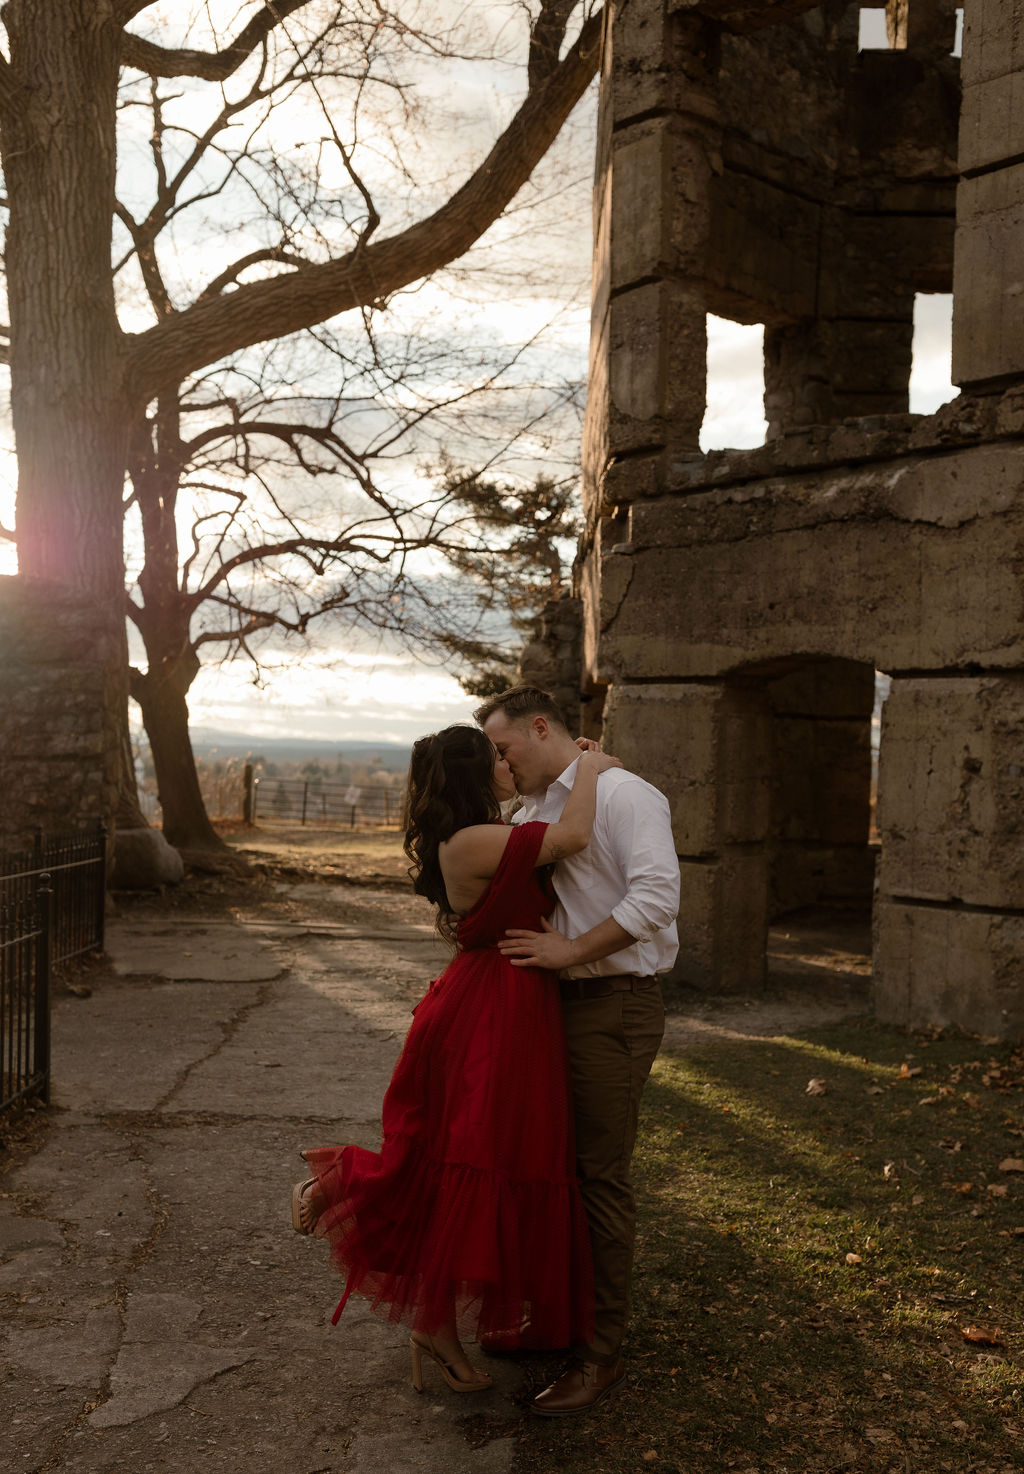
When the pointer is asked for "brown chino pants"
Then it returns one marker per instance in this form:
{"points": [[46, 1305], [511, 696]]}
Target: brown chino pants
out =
{"points": [[612, 1043]]}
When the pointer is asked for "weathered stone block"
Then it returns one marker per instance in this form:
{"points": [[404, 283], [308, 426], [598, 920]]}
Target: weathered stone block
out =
{"points": [[657, 349], [944, 968], [881, 564], [659, 63], [988, 297], [904, 114], [660, 207], [874, 357], [61, 683], [707, 748], [723, 923], [951, 791], [764, 246], [993, 43], [992, 122]]}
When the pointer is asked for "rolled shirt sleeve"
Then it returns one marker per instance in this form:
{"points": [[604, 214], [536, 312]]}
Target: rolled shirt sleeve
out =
{"points": [[640, 837]]}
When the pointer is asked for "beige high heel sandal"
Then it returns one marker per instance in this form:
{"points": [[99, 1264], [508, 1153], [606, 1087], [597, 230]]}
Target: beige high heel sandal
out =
{"points": [[304, 1215], [417, 1350]]}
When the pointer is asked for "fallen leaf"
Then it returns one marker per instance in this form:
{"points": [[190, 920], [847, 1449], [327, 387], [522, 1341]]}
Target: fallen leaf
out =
{"points": [[981, 1336], [875, 1090], [816, 1087], [854, 1259], [997, 1189], [1012, 1164], [652, 1453], [929, 1100], [917, 1200], [878, 1435], [959, 1425], [908, 1072], [974, 1101], [963, 1187], [889, 1172]]}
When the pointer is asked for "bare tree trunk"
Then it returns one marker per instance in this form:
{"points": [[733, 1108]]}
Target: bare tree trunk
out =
{"points": [[67, 357], [155, 464], [162, 694]]}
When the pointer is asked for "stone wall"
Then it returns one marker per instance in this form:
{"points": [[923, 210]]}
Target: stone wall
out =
{"points": [[737, 605], [59, 768]]}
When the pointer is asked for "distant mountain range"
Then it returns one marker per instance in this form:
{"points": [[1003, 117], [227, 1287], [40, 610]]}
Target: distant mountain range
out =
{"points": [[208, 743]]}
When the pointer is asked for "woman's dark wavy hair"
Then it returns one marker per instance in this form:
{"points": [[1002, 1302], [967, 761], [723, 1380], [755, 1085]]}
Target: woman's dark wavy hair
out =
{"points": [[451, 779]]}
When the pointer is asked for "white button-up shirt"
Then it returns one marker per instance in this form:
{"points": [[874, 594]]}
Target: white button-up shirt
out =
{"points": [[628, 871]]}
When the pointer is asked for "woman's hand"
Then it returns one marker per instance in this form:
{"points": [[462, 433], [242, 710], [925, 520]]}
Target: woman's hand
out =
{"points": [[601, 761], [547, 948], [587, 744]]}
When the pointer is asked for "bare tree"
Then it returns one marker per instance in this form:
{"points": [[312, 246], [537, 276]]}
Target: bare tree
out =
{"points": [[258, 515], [83, 377]]}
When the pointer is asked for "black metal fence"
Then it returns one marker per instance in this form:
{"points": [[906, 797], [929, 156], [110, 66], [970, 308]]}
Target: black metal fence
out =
{"points": [[51, 909], [295, 800]]}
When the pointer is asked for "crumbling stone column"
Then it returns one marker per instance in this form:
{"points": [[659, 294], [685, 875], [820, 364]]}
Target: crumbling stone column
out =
{"points": [[949, 920], [59, 765], [707, 746], [657, 152]]}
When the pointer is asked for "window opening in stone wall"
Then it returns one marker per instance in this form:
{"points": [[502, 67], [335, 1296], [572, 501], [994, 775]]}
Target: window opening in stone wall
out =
{"points": [[882, 685], [734, 418], [932, 360], [873, 35]]}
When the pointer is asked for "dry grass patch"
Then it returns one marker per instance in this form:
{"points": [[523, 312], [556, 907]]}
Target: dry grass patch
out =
{"points": [[828, 1278]]}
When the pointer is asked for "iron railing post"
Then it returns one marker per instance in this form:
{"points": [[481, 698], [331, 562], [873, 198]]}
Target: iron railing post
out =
{"points": [[101, 888], [44, 949]]}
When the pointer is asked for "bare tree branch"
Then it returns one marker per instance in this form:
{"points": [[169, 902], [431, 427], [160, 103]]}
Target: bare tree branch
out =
{"points": [[546, 39], [212, 329], [212, 66], [234, 271]]}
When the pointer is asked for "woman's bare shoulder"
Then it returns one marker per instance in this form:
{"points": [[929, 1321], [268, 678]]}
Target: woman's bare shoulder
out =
{"points": [[476, 837]]}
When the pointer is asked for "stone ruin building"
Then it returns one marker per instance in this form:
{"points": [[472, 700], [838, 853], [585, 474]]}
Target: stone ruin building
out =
{"points": [[754, 163]]}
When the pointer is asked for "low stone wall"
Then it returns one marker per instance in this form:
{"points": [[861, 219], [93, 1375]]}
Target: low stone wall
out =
{"points": [[61, 676]]}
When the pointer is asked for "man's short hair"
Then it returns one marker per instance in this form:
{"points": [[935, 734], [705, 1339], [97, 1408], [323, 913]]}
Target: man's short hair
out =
{"points": [[521, 703]]}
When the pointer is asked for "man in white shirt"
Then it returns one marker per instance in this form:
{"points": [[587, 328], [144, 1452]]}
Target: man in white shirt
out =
{"points": [[610, 937]]}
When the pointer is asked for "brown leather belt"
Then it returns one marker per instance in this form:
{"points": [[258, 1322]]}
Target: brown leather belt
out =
{"points": [[574, 989]]}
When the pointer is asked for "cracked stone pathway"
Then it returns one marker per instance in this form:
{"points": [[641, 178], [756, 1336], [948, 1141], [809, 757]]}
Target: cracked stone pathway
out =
{"points": [[156, 1310]]}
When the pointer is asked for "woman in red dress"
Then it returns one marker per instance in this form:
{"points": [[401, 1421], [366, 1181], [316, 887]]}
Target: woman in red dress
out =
{"points": [[468, 1221]]}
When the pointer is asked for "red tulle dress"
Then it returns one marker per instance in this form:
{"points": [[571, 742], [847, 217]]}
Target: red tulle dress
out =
{"points": [[471, 1209]]}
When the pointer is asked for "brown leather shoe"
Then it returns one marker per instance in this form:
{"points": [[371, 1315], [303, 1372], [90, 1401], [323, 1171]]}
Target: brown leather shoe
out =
{"points": [[580, 1387]]}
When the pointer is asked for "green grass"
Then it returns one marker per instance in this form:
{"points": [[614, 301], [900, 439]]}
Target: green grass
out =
{"points": [[755, 1344]]}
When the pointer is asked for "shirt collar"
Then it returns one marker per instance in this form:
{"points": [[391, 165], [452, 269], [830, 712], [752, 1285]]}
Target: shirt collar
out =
{"points": [[566, 779]]}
